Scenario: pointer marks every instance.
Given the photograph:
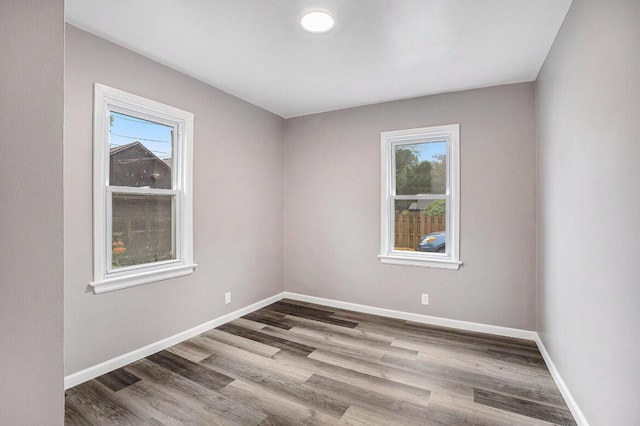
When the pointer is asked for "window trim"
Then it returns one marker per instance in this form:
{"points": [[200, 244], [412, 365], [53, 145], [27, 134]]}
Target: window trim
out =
{"points": [[391, 139], [107, 99]]}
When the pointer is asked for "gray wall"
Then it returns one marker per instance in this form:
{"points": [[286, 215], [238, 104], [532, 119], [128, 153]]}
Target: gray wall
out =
{"points": [[31, 274], [589, 207], [332, 221], [238, 207]]}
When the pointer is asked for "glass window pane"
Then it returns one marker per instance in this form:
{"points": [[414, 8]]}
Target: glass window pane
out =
{"points": [[141, 152], [421, 168], [142, 229], [420, 225]]}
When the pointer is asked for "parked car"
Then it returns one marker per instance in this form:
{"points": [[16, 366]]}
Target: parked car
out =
{"points": [[433, 242]]}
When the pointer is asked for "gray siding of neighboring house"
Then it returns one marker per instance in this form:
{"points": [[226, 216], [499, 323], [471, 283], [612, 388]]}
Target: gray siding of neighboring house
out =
{"points": [[134, 165], [142, 224]]}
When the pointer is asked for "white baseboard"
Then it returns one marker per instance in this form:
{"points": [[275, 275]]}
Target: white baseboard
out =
{"points": [[120, 361], [424, 319], [578, 415], [461, 325]]}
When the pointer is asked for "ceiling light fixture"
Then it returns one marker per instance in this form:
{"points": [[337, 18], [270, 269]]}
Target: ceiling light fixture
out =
{"points": [[317, 21]]}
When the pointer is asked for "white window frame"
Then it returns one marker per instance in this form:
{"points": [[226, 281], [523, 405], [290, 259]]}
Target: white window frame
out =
{"points": [[105, 278], [390, 140]]}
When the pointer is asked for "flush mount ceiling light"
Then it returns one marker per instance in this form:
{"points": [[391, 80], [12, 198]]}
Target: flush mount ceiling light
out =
{"points": [[317, 21]]}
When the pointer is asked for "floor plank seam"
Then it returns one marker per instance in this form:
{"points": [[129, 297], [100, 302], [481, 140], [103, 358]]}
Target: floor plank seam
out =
{"points": [[295, 362]]}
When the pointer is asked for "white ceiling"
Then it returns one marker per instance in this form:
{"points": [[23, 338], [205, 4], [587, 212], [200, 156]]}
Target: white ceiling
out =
{"points": [[379, 50]]}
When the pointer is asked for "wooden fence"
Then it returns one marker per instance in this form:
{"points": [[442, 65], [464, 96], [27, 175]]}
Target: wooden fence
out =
{"points": [[410, 227]]}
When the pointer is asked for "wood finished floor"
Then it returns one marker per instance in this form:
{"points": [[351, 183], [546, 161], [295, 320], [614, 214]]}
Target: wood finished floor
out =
{"points": [[295, 363]]}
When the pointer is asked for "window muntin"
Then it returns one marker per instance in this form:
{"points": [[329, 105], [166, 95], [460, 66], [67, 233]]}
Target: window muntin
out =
{"points": [[142, 190], [420, 192]]}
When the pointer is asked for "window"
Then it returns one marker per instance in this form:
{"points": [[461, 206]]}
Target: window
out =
{"points": [[142, 202], [420, 197]]}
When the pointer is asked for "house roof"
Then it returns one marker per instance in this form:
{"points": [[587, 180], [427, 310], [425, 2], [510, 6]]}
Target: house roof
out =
{"points": [[120, 148]]}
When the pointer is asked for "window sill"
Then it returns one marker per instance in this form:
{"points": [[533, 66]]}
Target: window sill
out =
{"points": [[131, 280], [420, 261]]}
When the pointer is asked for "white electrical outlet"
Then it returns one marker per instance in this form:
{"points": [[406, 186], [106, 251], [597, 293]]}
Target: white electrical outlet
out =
{"points": [[425, 299], [227, 298]]}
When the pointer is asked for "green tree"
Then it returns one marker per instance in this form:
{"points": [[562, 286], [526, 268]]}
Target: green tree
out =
{"points": [[419, 180], [412, 176], [406, 161], [436, 208], [439, 174]]}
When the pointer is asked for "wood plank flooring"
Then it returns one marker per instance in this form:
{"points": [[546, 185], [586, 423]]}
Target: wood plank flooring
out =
{"points": [[296, 363]]}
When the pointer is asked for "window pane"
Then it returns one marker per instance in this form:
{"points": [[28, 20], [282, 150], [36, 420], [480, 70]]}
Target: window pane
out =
{"points": [[420, 225], [142, 229], [421, 168], [141, 152]]}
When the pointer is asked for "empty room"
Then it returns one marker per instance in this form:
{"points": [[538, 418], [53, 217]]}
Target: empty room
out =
{"points": [[331, 212]]}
